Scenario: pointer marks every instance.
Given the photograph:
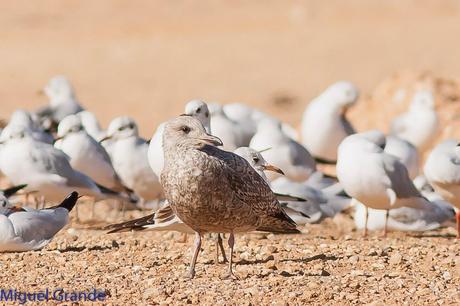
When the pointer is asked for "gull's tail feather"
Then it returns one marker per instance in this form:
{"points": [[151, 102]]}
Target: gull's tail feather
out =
{"points": [[12, 190], [279, 222], [162, 220], [324, 161], [288, 197], [132, 225]]}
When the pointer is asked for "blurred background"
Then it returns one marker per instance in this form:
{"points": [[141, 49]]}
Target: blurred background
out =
{"points": [[146, 59]]}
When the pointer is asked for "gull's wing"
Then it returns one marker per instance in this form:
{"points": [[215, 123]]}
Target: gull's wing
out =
{"points": [[53, 161], [39, 225], [251, 189], [346, 125], [400, 181]]}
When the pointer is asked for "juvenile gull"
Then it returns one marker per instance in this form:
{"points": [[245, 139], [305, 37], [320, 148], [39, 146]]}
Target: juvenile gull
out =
{"points": [[24, 229], [165, 220], [196, 108], [212, 190]]}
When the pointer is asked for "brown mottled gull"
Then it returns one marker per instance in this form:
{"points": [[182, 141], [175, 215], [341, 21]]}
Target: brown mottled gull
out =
{"points": [[212, 190]]}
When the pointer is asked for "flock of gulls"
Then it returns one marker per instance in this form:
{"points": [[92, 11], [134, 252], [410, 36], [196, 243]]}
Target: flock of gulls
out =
{"points": [[225, 169]]}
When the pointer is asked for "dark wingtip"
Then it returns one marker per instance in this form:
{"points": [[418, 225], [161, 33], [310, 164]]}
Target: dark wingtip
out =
{"points": [[70, 201], [12, 190], [324, 161]]}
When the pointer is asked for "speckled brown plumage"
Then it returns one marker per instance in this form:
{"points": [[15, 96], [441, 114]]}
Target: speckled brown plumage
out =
{"points": [[212, 190]]}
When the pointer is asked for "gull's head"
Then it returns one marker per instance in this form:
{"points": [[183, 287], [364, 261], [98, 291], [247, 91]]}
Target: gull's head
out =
{"points": [[372, 141], [69, 125], [269, 125], [423, 99], [7, 208], [199, 110], [342, 94], [58, 88], [256, 160], [22, 117], [14, 132], [121, 128], [187, 131], [88, 119], [4, 205]]}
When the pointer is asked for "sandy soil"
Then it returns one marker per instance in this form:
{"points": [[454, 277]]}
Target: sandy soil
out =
{"points": [[146, 59], [329, 264]]}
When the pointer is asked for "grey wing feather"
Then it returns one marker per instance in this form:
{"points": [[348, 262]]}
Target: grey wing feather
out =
{"points": [[399, 178], [347, 125], [56, 162], [38, 225]]}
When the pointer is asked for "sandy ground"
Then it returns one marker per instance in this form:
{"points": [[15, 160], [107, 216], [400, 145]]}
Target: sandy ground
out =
{"points": [[146, 59], [329, 264]]}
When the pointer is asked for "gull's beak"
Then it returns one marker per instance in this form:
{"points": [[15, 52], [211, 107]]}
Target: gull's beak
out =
{"points": [[211, 140], [16, 208], [105, 138], [269, 167], [264, 150], [58, 138]]}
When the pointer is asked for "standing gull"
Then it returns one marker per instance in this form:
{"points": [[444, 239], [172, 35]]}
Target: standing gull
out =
{"points": [[86, 154], [130, 158], [324, 124], [442, 169], [376, 179], [212, 190]]}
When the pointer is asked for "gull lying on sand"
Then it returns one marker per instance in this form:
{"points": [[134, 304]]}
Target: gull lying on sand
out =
{"points": [[24, 229]]}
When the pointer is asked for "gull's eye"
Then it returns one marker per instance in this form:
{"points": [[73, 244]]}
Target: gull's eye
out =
{"points": [[198, 110], [256, 159], [3, 203], [131, 126], [185, 129]]}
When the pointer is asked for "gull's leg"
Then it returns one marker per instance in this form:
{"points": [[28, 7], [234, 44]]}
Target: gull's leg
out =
{"points": [[93, 210], [35, 202], [77, 215], [231, 244], [220, 246], [365, 221], [42, 202], [457, 216], [195, 255], [387, 214], [184, 238]]}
